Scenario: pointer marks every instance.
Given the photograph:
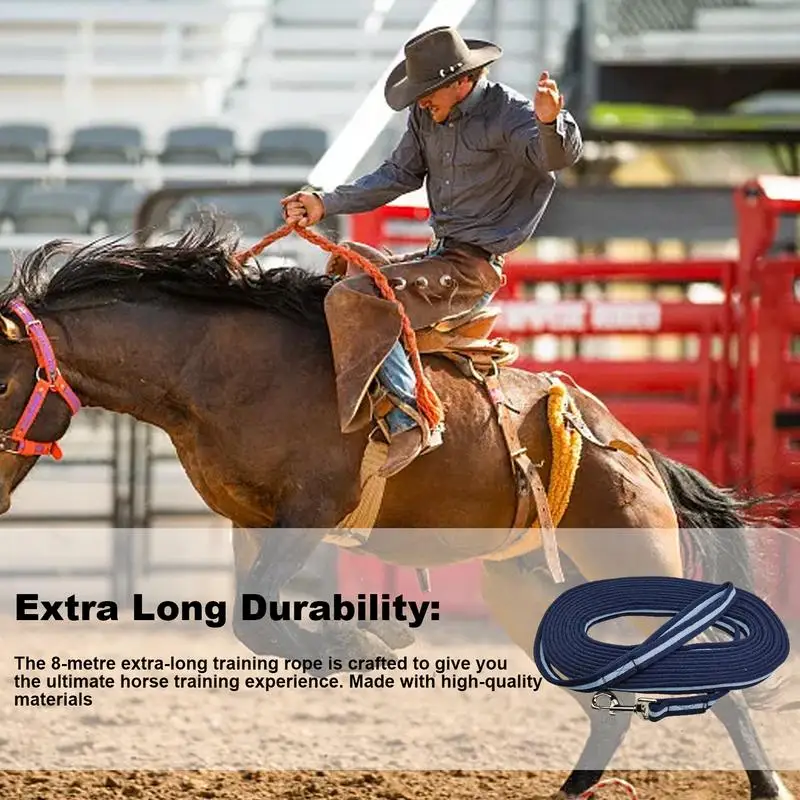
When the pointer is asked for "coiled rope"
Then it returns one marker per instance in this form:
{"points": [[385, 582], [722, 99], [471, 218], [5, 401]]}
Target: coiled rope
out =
{"points": [[428, 402], [664, 663]]}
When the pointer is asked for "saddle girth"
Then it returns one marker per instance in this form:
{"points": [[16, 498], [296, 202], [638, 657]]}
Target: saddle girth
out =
{"points": [[528, 483]]}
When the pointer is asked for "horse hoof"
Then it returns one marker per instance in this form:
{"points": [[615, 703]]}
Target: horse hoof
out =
{"points": [[390, 632], [783, 794], [348, 643]]}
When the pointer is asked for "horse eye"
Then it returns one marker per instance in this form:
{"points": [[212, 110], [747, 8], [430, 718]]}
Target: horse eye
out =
{"points": [[3, 388]]}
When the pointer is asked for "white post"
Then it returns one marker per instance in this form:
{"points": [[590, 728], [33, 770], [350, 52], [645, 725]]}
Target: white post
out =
{"points": [[364, 127]]}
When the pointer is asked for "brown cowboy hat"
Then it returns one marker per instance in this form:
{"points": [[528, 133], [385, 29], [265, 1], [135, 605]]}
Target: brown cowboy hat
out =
{"points": [[434, 58]]}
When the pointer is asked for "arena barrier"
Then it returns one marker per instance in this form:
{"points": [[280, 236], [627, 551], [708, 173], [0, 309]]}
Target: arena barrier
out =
{"points": [[667, 366]]}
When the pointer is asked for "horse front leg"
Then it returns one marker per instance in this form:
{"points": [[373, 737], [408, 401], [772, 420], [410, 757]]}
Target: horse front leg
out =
{"points": [[266, 560]]}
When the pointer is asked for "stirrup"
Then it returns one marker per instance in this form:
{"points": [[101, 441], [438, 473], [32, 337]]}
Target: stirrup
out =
{"points": [[432, 438], [383, 402], [422, 440], [435, 439]]}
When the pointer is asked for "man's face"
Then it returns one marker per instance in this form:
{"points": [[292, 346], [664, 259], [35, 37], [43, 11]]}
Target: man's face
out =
{"points": [[440, 102]]}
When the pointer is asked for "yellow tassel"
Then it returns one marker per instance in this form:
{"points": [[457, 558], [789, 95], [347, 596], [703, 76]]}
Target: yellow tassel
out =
{"points": [[567, 445]]}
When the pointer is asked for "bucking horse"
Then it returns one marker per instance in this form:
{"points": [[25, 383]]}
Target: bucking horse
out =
{"points": [[235, 366]]}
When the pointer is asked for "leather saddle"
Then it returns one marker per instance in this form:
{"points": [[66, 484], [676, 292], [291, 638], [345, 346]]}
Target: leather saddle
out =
{"points": [[469, 343], [466, 342]]}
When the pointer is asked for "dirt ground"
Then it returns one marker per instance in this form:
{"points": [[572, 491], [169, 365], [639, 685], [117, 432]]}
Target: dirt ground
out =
{"points": [[360, 785], [339, 743]]}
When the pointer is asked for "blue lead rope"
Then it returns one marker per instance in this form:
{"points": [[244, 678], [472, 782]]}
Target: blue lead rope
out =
{"points": [[664, 663]]}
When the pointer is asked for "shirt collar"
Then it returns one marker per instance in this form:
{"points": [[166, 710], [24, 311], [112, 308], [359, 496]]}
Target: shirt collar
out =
{"points": [[472, 99]]}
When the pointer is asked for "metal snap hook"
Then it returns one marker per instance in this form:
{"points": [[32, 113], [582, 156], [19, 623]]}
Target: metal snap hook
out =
{"points": [[613, 703], [641, 707]]}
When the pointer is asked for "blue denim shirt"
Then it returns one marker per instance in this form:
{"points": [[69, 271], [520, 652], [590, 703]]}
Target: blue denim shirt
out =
{"points": [[490, 168]]}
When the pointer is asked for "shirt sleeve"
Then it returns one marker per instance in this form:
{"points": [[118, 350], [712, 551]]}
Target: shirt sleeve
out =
{"points": [[548, 147], [403, 171]]}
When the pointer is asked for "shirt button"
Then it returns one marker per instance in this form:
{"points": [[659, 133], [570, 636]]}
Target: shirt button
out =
{"points": [[447, 182]]}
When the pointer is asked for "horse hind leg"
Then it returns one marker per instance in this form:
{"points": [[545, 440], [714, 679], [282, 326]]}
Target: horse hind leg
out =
{"points": [[608, 560], [517, 593], [765, 783], [641, 537], [713, 521]]}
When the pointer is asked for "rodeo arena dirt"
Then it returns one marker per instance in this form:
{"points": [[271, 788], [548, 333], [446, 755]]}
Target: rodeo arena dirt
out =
{"points": [[382, 743], [226, 573]]}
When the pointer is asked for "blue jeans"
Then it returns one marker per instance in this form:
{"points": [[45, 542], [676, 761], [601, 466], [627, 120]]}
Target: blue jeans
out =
{"points": [[397, 377]]}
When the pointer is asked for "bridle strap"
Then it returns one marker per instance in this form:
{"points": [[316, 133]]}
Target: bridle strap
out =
{"points": [[48, 379]]}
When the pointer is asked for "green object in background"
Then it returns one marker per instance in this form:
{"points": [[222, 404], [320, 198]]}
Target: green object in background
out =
{"points": [[607, 116]]}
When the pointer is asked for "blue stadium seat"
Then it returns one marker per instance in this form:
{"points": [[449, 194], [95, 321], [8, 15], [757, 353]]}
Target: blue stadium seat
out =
{"points": [[253, 214], [290, 146], [106, 144], [55, 209], [24, 143], [6, 267], [120, 205], [8, 195], [199, 145]]}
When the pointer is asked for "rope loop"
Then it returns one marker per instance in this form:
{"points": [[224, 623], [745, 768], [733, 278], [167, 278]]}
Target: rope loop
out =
{"points": [[755, 643], [629, 788], [428, 402]]}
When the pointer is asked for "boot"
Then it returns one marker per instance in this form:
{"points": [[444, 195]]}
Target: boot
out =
{"points": [[406, 446]]}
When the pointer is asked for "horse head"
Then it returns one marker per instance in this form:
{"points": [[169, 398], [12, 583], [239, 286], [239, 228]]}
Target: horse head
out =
{"points": [[121, 317], [36, 402]]}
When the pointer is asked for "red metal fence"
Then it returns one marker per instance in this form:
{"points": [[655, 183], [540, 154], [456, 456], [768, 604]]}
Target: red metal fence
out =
{"points": [[714, 385]]}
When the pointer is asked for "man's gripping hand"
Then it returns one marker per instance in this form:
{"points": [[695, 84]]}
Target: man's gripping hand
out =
{"points": [[302, 208], [549, 101]]}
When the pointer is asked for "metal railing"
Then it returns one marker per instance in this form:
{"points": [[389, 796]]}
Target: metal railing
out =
{"points": [[614, 18]]}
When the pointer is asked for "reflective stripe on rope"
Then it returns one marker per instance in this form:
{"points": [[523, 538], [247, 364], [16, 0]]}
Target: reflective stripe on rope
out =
{"points": [[756, 643]]}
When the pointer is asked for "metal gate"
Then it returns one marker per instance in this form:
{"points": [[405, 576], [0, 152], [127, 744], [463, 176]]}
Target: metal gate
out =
{"points": [[89, 493]]}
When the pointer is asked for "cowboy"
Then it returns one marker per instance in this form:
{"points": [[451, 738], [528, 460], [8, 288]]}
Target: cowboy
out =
{"points": [[490, 156]]}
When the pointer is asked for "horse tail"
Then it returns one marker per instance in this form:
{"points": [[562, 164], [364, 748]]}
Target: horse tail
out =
{"points": [[714, 545], [712, 521]]}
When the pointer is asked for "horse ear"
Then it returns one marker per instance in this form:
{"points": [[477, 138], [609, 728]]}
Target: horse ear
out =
{"points": [[10, 330]]}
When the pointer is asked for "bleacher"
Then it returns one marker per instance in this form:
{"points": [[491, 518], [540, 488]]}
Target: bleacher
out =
{"points": [[700, 31], [706, 56], [322, 58], [95, 184], [103, 102]]}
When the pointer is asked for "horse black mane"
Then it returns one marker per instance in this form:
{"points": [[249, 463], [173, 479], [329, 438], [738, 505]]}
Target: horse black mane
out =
{"points": [[198, 265]]}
